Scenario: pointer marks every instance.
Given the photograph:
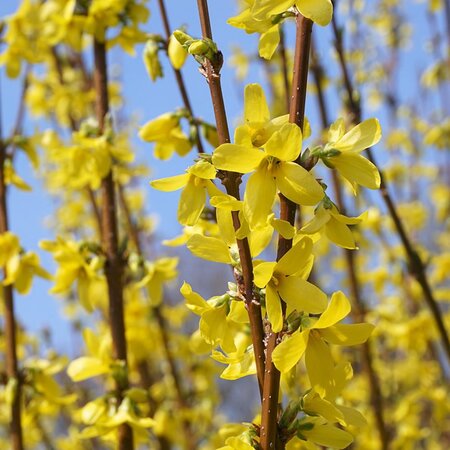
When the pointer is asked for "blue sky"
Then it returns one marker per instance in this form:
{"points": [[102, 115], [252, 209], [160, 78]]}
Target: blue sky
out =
{"points": [[146, 100]]}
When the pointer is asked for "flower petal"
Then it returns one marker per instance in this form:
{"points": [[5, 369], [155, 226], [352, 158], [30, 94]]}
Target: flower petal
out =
{"points": [[296, 258], [259, 196], [263, 273], [298, 185], [288, 353], [342, 334], [209, 248], [191, 204], [357, 169], [338, 308], [273, 308], [319, 11], [237, 158], [301, 295], [269, 41], [171, 183], [359, 138], [319, 364], [286, 143], [256, 109]]}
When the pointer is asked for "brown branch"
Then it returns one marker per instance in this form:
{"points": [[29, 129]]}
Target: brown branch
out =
{"points": [[12, 370], [179, 77], [269, 416], [284, 68], [231, 182], [113, 266], [416, 266]]}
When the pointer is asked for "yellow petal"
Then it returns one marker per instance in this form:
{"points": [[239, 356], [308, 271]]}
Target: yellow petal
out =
{"points": [[256, 109], [328, 436], [195, 302], [259, 239], [259, 196], [268, 42], [296, 258], [338, 308], [171, 183], [313, 405], [286, 143], [288, 353], [357, 169], [340, 234], [86, 367], [237, 158], [273, 308], [283, 227], [298, 185], [177, 53], [343, 334], [301, 295], [359, 138], [264, 9], [209, 248], [319, 11], [192, 201], [158, 129], [263, 273], [203, 169], [319, 364]]}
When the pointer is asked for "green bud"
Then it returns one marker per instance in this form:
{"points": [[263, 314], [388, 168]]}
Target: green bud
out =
{"points": [[290, 413], [294, 321], [182, 37], [198, 48]]}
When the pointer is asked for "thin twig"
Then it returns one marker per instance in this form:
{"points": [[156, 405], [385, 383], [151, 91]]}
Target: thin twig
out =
{"points": [[113, 266], [12, 369], [269, 439], [231, 182]]}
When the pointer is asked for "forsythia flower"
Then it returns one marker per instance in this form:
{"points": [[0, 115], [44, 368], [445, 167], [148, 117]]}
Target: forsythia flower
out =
{"points": [[220, 317], [166, 132], [319, 11], [286, 280], [195, 183], [318, 359], [342, 152], [270, 33], [335, 225], [21, 269], [274, 166], [75, 265]]}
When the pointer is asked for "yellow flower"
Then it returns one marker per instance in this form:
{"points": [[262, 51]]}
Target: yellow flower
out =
{"points": [[274, 167], [166, 132], [286, 280], [21, 269], [342, 152], [311, 341], [98, 363], [319, 11], [75, 264], [334, 224], [220, 317], [270, 33], [195, 183]]}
